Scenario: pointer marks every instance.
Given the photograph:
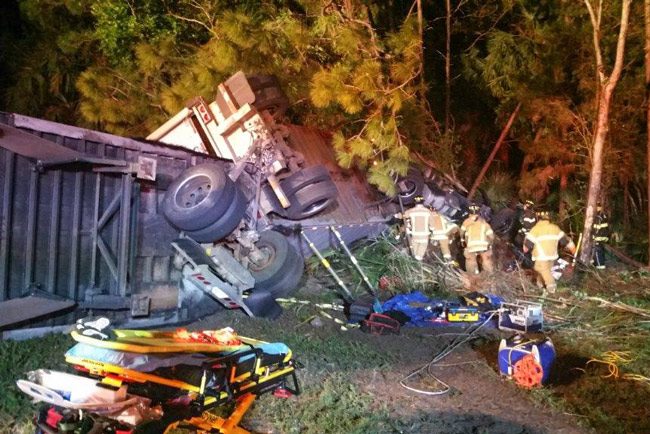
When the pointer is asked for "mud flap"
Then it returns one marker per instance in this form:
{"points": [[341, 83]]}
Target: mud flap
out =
{"points": [[263, 305]]}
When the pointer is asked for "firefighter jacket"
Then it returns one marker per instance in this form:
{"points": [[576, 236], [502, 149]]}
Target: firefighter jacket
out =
{"points": [[544, 238], [477, 234], [527, 220], [600, 233], [441, 228], [417, 221]]}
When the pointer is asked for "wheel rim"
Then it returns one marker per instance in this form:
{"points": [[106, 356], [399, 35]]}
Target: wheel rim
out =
{"points": [[269, 254], [193, 191]]}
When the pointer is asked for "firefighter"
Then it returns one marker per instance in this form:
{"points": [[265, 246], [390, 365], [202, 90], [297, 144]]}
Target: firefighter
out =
{"points": [[417, 227], [442, 232], [527, 220], [600, 235], [477, 236], [543, 239]]}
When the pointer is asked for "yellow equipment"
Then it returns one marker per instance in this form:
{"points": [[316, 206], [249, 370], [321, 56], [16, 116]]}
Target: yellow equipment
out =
{"points": [[185, 374]]}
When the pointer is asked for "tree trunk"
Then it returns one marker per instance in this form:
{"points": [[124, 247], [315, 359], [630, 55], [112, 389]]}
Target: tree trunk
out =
{"points": [[448, 67], [608, 84], [646, 20], [596, 174], [497, 145]]}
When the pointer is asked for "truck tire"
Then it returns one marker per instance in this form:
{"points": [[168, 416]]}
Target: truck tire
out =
{"points": [[198, 197], [304, 177], [227, 223], [269, 95], [311, 200], [409, 187], [282, 272]]}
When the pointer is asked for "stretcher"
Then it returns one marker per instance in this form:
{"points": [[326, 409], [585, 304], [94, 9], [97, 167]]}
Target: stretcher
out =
{"points": [[184, 375]]}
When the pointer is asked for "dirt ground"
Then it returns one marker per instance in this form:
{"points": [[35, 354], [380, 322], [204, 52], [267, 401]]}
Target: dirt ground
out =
{"points": [[479, 401]]}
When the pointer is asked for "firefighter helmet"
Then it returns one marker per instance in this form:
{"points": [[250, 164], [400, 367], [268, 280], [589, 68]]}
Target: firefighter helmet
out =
{"points": [[473, 208], [543, 214], [529, 203], [418, 199]]}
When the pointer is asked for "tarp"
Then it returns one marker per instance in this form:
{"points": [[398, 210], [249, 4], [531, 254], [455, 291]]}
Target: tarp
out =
{"points": [[425, 311]]}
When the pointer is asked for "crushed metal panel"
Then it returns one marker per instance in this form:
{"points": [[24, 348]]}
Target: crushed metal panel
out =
{"points": [[28, 308]]}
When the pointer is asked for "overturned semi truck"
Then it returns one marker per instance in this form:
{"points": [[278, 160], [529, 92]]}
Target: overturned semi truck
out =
{"points": [[96, 222]]}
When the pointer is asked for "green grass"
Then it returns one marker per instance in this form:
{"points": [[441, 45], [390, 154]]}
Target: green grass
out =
{"points": [[17, 358], [333, 405]]}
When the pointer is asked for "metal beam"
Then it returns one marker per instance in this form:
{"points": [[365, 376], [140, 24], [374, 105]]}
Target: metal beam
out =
{"points": [[107, 255], [5, 227], [95, 232], [30, 242], [109, 212], [55, 219], [76, 225], [125, 232]]}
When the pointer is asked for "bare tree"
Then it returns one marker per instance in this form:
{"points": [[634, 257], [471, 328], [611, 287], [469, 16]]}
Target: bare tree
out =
{"points": [[606, 86]]}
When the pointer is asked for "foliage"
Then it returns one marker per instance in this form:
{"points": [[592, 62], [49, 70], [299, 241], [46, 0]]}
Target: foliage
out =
{"points": [[374, 79], [499, 188]]}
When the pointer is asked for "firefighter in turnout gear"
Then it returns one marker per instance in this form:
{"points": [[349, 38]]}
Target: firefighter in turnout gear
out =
{"points": [[442, 232], [600, 235], [417, 228], [477, 236], [527, 219], [544, 239]]}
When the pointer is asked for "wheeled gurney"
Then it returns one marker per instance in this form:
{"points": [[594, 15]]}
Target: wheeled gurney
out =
{"points": [[185, 374]]}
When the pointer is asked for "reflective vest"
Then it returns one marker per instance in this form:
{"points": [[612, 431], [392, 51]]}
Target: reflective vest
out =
{"points": [[478, 234], [545, 237], [600, 232], [440, 227], [418, 221]]}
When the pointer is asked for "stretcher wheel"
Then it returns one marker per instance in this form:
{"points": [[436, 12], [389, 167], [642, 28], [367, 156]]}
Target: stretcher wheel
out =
{"points": [[200, 196], [527, 372]]}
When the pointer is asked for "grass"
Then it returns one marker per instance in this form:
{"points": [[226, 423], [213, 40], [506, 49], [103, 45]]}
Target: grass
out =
{"points": [[334, 405], [16, 358], [334, 398]]}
